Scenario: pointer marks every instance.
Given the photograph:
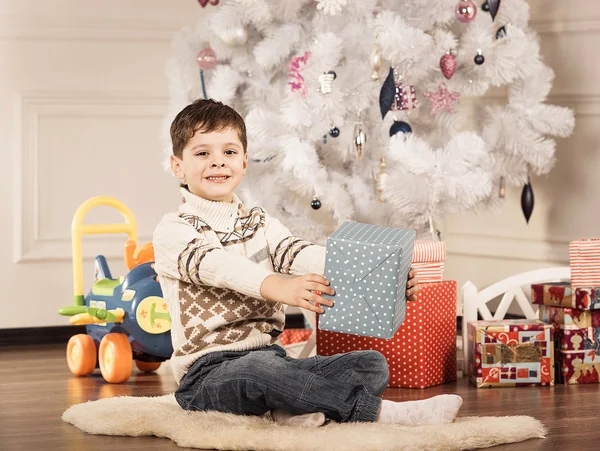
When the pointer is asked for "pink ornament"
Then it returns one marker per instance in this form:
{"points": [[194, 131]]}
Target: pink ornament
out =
{"points": [[206, 58], [465, 11], [296, 80], [442, 99], [448, 65], [405, 98], [203, 3]]}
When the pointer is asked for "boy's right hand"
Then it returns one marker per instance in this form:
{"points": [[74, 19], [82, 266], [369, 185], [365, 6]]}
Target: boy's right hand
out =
{"points": [[298, 291]]}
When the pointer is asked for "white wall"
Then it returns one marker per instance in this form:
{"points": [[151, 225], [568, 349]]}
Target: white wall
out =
{"points": [[83, 93], [488, 247]]}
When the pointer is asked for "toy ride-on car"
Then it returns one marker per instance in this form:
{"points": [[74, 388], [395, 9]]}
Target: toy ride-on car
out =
{"points": [[126, 318]]}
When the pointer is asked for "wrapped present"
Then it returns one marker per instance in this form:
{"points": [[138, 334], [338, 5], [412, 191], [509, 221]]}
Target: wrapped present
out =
{"points": [[428, 260], [291, 336], [368, 266], [584, 256], [423, 351], [427, 251], [579, 367], [573, 338], [511, 353], [577, 337], [562, 294], [429, 272], [569, 317]]}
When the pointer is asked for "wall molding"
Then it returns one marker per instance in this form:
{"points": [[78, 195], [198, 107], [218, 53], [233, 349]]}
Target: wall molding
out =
{"points": [[503, 247], [583, 105], [542, 249], [50, 27], [565, 26], [33, 107]]}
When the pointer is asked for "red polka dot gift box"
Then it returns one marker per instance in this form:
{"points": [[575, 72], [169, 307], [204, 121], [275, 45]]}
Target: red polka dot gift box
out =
{"points": [[422, 353], [511, 353], [291, 336]]}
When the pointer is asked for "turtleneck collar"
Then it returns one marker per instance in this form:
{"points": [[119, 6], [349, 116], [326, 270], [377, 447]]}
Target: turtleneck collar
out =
{"points": [[220, 216]]}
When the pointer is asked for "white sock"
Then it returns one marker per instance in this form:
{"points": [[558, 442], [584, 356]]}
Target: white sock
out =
{"points": [[437, 410], [307, 420]]}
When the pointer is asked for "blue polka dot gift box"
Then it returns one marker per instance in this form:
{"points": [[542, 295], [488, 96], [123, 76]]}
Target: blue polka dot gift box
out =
{"points": [[368, 267]]}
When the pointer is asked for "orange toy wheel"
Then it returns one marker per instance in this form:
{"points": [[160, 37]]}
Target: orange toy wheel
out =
{"points": [[147, 367], [81, 355], [115, 358]]}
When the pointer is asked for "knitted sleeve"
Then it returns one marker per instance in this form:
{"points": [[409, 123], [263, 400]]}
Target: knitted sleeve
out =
{"points": [[290, 254], [184, 253]]}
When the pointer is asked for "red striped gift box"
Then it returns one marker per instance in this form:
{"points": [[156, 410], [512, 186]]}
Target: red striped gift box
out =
{"points": [[427, 251], [429, 272], [584, 257]]}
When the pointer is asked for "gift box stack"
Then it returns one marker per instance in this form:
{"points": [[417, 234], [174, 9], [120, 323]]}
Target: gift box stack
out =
{"points": [[574, 311], [511, 353], [428, 260], [422, 351]]}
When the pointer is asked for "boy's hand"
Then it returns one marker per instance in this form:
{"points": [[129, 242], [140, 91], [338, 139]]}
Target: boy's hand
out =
{"points": [[298, 291], [412, 286]]}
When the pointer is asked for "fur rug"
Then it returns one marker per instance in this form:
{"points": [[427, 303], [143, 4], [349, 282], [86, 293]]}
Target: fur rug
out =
{"points": [[162, 417]]}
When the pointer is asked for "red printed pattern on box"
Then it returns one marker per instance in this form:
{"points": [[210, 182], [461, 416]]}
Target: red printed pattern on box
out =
{"points": [[562, 294], [575, 338], [577, 335], [578, 367], [422, 353], [569, 317], [489, 342]]}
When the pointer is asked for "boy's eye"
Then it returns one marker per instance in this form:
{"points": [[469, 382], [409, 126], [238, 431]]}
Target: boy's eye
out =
{"points": [[202, 153], [230, 152]]}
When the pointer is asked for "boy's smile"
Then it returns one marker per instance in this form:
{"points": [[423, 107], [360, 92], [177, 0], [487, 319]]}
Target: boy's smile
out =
{"points": [[212, 164]]}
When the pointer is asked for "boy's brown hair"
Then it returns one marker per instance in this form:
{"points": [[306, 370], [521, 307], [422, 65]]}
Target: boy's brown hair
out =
{"points": [[205, 116]]}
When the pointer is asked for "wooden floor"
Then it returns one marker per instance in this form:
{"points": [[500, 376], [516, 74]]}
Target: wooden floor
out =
{"points": [[36, 387]]}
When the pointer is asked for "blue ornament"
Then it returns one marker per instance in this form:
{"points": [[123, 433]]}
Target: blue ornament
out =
{"points": [[479, 59], [316, 203], [501, 32], [527, 200], [400, 126], [494, 6], [387, 93]]}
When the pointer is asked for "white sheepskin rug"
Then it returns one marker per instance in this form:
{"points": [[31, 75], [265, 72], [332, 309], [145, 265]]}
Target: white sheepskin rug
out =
{"points": [[162, 417]]}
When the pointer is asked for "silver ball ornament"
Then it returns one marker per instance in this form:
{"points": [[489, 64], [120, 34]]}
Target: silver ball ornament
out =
{"points": [[236, 37]]}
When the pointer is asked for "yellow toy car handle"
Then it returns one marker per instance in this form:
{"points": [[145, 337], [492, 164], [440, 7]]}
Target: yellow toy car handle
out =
{"points": [[78, 229]]}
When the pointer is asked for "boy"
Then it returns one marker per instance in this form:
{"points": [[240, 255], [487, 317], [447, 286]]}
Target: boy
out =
{"points": [[219, 265]]}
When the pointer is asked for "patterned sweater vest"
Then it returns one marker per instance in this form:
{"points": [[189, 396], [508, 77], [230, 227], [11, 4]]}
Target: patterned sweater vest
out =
{"points": [[211, 258]]}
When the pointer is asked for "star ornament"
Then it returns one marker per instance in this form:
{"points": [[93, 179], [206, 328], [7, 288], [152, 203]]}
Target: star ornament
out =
{"points": [[442, 99]]}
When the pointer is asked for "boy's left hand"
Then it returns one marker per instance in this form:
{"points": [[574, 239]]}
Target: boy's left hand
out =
{"points": [[412, 286]]}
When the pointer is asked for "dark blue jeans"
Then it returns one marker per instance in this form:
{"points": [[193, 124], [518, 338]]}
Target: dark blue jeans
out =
{"points": [[345, 387]]}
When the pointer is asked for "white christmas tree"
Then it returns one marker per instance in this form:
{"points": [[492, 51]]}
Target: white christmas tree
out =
{"points": [[365, 110]]}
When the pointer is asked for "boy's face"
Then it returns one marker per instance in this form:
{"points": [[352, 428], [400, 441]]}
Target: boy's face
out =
{"points": [[212, 164]]}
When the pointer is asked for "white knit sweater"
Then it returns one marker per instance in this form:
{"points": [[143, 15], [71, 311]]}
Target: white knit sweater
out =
{"points": [[212, 258]]}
